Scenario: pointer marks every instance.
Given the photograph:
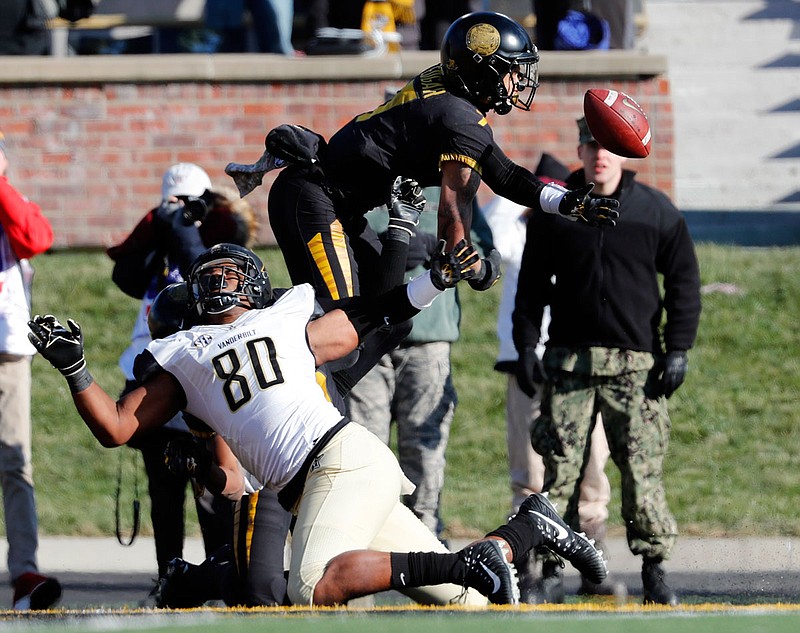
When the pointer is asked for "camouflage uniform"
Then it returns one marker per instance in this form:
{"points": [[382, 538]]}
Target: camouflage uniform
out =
{"points": [[613, 382]]}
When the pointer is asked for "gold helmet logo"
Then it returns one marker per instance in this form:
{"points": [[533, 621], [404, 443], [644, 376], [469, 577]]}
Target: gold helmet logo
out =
{"points": [[483, 39]]}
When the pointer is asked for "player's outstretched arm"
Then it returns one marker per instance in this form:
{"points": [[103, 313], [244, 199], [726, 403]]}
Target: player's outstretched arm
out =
{"points": [[338, 332], [112, 422]]}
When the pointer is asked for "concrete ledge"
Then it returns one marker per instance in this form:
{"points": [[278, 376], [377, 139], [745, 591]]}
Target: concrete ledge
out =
{"points": [[693, 555], [249, 67]]}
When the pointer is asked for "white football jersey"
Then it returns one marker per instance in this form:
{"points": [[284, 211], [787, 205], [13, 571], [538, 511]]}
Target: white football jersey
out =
{"points": [[254, 382]]}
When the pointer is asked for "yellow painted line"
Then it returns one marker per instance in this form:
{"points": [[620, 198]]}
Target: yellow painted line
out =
{"points": [[583, 608]]}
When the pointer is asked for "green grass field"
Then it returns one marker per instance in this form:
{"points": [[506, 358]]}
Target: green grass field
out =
{"points": [[501, 621], [733, 461]]}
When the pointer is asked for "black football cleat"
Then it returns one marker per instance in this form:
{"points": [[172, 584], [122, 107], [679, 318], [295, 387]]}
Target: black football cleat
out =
{"points": [[489, 572], [172, 589], [654, 585], [560, 539]]}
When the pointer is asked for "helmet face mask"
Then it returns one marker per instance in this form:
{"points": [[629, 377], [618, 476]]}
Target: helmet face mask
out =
{"points": [[526, 80], [225, 276], [480, 50]]}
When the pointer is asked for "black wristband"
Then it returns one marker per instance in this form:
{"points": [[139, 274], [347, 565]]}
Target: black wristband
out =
{"points": [[479, 281], [79, 380]]}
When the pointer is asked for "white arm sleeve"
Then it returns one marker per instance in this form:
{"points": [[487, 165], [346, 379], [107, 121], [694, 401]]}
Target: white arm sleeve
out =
{"points": [[550, 197], [421, 291]]}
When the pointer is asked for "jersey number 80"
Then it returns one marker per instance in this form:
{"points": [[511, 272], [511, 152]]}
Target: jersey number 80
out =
{"points": [[261, 352]]}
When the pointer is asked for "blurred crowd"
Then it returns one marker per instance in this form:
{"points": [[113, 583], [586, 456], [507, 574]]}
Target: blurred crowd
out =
{"points": [[296, 27]]}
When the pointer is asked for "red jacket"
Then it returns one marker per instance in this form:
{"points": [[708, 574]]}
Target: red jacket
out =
{"points": [[29, 232]]}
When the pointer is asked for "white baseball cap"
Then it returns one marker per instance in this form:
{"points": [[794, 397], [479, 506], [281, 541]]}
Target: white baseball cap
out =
{"points": [[184, 179]]}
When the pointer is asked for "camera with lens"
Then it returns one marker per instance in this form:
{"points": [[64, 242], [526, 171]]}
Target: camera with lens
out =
{"points": [[186, 210]]}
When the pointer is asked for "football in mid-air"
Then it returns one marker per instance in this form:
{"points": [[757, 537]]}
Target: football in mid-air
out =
{"points": [[617, 122]]}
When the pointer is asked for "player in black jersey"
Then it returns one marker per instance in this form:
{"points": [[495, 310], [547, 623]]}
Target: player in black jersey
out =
{"points": [[435, 131]]}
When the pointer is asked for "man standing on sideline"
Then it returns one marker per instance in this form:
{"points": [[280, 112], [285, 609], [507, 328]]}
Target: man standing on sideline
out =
{"points": [[607, 352], [24, 233]]}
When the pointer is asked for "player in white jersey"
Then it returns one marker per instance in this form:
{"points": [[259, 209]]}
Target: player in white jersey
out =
{"points": [[248, 370]]}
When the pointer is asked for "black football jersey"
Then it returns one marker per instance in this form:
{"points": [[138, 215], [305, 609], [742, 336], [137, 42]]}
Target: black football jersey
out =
{"points": [[410, 135]]}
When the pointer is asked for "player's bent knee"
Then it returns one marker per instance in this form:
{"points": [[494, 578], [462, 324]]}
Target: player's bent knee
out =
{"points": [[303, 582]]}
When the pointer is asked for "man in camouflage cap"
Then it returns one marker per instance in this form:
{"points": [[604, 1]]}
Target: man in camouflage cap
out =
{"points": [[607, 353]]}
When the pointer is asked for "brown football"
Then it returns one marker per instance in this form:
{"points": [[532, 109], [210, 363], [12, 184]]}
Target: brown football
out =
{"points": [[617, 122]]}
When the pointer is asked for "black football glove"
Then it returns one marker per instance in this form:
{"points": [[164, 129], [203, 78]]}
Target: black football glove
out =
{"points": [[577, 205], [406, 202], [62, 347], [448, 268], [489, 273], [188, 456], [530, 371], [675, 366]]}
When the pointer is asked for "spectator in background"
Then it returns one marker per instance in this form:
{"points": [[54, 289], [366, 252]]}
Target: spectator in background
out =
{"points": [[436, 19], [548, 14], [341, 14], [508, 222], [412, 385], [272, 23], [190, 218], [24, 233], [605, 352], [584, 24], [620, 17], [23, 27], [407, 16]]}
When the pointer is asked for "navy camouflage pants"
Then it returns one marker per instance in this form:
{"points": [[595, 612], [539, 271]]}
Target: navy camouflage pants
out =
{"points": [[582, 383]]}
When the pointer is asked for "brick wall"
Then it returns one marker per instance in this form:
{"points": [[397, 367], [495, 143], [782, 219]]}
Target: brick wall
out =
{"points": [[92, 153]]}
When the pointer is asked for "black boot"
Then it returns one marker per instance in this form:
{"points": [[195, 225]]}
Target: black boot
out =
{"points": [[656, 590]]}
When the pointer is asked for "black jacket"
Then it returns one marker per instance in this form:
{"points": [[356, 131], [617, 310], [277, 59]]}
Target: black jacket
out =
{"points": [[606, 290]]}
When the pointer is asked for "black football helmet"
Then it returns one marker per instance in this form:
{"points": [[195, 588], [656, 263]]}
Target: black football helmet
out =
{"points": [[169, 311], [479, 50], [206, 290]]}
